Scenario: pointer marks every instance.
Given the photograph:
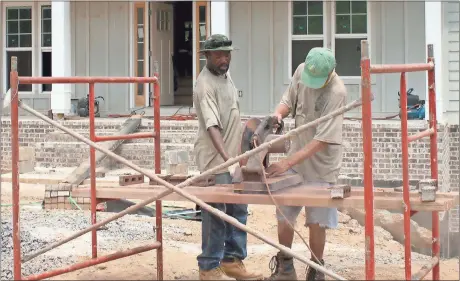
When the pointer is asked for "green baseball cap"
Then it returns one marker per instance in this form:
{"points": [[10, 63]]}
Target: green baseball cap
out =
{"points": [[318, 64], [217, 42]]}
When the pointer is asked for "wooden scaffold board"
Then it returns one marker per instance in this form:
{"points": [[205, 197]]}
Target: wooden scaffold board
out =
{"points": [[296, 196]]}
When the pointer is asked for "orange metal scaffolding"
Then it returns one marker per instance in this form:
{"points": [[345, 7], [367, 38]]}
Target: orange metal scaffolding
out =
{"points": [[366, 70]]}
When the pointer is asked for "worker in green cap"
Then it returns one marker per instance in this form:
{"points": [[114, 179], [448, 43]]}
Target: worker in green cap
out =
{"points": [[315, 91], [218, 138]]}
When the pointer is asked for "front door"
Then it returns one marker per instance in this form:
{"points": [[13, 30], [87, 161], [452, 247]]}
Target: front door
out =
{"points": [[162, 49]]}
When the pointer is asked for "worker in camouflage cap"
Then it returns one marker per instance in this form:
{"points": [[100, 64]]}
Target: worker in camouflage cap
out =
{"points": [[215, 96]]}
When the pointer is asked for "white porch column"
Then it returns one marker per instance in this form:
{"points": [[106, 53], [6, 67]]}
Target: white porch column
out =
{"points": [[61, 56], [433, 35], [220, 18]]}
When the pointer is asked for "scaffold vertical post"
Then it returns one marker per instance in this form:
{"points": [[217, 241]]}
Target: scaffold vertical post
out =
{"points": [[92, 163], [157, 153], [367, 149], [433, 155], [405, 175], [14, 86]]}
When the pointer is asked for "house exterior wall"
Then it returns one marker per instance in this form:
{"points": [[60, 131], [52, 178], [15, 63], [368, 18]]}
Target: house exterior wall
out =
{"points": [[262, 69], [101, 47], [451, 46]]}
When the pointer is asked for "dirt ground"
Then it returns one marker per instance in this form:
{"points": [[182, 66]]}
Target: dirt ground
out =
{"points": [[344, 252]]}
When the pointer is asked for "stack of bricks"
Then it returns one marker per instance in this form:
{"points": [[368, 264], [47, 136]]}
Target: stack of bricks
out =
{"points": [[176, 162], [57, 196], [26, 159]]}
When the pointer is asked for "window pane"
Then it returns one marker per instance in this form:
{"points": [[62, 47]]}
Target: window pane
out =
{"points": [[46, 70], [46, 12], [299, 25], [25, 26], [315, 25], [299, 8], [359, 24], [342, 7], [24, 67], [140, 15], [25, 40], [140, 68], [348, 56], [358, 7], [12, 27], [315, 8], [25, 13], [202, 31], [342, 24], [46, 26], [140, 51], [12, 13], [13, 41], [300, 49], [202, 12], [46, 40]]}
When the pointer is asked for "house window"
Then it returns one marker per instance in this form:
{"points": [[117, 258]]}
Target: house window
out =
{"points": [[46, 44], [350, 29], [23, 42], [307, 29], [347, 23], [19, 42]]}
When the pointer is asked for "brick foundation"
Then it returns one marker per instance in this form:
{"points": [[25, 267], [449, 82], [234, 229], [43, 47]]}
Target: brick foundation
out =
{"points": [[54, 148]]}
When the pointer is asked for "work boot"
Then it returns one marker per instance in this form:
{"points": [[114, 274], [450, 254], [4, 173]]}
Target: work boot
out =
{"points": [[214, 274], [237, 270], [282, 268], [313, 274]]}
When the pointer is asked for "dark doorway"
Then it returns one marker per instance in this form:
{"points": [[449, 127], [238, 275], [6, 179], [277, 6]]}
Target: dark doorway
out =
{"points": [[183, 53]]}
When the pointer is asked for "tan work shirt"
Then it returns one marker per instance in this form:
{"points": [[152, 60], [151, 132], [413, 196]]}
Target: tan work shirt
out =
{"points": [[306, 105], [216, 103]]}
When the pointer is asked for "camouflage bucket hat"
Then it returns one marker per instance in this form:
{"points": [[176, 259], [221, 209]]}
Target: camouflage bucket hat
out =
{"points": [[318, 64], [217, 42]]}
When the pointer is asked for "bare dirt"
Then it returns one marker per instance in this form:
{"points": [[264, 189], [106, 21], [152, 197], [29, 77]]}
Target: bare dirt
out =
{"points": [[344, 252]]}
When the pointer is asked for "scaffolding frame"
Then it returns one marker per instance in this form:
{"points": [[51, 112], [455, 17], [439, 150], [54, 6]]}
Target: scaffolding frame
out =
{"points": [[366, 70], [91, 81]]}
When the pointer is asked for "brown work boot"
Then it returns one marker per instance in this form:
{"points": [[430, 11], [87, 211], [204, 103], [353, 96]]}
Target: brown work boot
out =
{"points": [[214, 274], [237, 270], [313, 274], [282, 268]]}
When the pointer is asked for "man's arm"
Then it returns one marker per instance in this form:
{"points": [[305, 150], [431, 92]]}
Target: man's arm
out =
{"points": [[218, 141]]}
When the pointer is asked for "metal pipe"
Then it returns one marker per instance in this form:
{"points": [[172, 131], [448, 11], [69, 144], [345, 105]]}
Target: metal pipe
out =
{"points": [[397, 68], [15, 166], [92, 163], [187, 182], [367, 149], [426, 133], [125, 137], [94, 261], [405, 176], [85, 80], [433, 156], [157, 155], [425, 269]]}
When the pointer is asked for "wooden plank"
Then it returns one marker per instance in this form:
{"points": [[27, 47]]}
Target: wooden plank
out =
{"points": [[298, 196]]}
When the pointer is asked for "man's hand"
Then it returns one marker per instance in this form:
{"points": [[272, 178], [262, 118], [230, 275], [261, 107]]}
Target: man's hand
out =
{"points": [[278, 168], [235, 172]]}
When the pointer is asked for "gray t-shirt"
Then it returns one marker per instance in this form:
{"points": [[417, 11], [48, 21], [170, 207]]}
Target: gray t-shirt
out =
{"points": [[307, 105], [216, 102]]}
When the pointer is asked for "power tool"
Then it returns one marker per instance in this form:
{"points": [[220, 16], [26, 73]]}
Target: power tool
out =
{"points": [[83, 106], [415, 106]]}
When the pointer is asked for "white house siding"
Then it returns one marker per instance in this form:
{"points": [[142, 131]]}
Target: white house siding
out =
{"points": [[100, 41], [261, 67], [451, 25]]}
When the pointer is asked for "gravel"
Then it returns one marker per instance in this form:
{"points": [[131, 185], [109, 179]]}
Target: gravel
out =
{"points": [[40, 228]]}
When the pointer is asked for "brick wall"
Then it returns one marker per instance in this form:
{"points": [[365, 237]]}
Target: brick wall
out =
{"points": [[53, 148]]}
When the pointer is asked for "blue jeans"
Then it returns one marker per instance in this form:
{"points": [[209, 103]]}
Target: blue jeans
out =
{"points": [[219, 239]]}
